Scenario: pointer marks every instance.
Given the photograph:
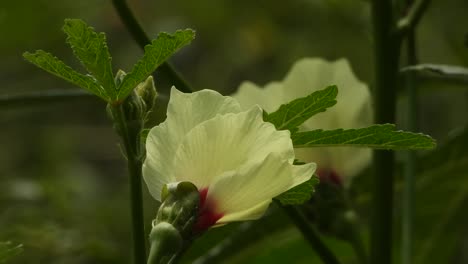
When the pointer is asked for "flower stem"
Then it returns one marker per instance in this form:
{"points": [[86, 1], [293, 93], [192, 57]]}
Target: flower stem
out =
{"points": [[131, 147], [387, 48], [309, 233], [142, 39]]}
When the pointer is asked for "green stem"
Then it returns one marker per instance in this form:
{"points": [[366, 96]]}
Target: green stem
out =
{"points": [[410, 168], [131, 147], [387, 48], [414, 15], [50, 96], [311, 235], [142, 39]]}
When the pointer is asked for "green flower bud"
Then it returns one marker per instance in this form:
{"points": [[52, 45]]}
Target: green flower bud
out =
{"points": [[172, 227], [180, 206], [134, 107], [147, 91], [119, 77], [165, 242]]}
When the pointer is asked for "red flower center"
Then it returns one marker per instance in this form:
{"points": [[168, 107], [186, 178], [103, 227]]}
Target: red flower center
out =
{"points": [[207, 216], [329, 176]]}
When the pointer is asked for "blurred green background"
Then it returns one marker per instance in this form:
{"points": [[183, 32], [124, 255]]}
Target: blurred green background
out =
{"points": [[63, 182]]}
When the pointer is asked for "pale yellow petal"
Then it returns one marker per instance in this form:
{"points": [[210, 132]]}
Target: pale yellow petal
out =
{"points": [[249, 214], [184, 112], [227, 142], [158, 163], [236, 193], [269, 98]]}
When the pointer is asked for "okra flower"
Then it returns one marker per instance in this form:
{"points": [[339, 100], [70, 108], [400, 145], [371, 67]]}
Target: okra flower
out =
{"points": [[353, 110], [237, 161]]}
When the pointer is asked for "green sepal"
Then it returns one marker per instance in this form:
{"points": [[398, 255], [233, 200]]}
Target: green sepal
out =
{"points": [[180, 206]]}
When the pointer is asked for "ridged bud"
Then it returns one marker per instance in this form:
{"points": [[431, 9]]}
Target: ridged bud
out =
{"points": [[180, 206], [174, 221]]}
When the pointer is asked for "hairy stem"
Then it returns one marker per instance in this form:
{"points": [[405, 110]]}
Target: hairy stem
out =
{"points": [[386, 54], [142, 39], [131, 148], [311, 235]]}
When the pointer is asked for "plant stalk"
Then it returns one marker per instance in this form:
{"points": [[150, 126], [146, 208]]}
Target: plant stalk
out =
{"points": [[415, 12], [386, 54], [131, 147], [139, 35], [410, 168]]}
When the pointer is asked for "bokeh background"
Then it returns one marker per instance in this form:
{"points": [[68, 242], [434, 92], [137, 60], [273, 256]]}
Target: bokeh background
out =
{"points": [[63, 182]]}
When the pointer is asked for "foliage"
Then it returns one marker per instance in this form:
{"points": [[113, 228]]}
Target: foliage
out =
{"points": [[376, 136], [299, 194], [91, 50], [441, 203], [291, 115]]}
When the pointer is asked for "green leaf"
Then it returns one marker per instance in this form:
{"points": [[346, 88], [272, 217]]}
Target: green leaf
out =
{"points": [[299, 194], [53, 65], [156, 53], [91, 49], [376, 136], [9, 250], [291, 115]]}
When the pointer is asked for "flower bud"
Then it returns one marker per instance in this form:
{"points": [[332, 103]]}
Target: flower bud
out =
{"points": [[119, 77], [180, 206], [134, 108], [174, 221], [165, 242], [147, 92]]}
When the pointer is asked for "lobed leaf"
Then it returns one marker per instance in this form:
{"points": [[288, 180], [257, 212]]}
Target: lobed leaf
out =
{"points": [[160, 49], [291, 115], [53, 65], [91, 49], [376, 136], [299, 194]]}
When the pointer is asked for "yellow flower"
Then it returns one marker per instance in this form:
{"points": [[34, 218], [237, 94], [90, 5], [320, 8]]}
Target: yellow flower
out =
{"points": [[353, 110], [237, 161]]}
